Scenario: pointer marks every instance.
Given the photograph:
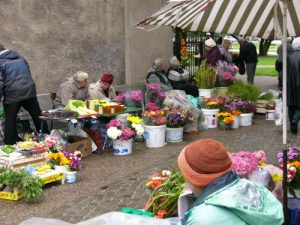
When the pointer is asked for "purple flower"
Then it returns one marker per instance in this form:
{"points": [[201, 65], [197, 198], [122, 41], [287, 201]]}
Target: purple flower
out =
{"points": [[136, 95], [114, 123], [153, 86], [152, 106], [120, 97]]}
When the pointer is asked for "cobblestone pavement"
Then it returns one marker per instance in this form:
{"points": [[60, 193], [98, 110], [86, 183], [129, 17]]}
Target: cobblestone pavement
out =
{"points": [[108, 182]]}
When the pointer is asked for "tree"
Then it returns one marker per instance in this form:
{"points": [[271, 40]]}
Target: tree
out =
{"points": [[264, 46]]}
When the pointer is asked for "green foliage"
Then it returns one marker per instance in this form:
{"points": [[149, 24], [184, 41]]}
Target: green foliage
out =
{"points": [[14, 178], [205, 76], [267, 96], [33, 188], [247, 92]]}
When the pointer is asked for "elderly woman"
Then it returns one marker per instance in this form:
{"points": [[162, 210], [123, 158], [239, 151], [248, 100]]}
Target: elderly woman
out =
{"points": [[178, 78], [156, 74], [221, 197], [224, 50], [75, 87], [213, 54]]}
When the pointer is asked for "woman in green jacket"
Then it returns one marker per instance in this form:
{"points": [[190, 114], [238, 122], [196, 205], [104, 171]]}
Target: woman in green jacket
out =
{"points": [[221, 197]]}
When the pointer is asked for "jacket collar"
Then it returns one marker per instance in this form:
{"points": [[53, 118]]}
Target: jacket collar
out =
{"points": [[4, 51]]}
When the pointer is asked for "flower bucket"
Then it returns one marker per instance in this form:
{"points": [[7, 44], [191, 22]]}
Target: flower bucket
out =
{"points": [[206, 93], [174, 134], [123, 118], [155, 136], [190, 127], [246, 119], [236, 123], [211, 118], [71, 177], [221, 91], [122, 147], [270, 114]]}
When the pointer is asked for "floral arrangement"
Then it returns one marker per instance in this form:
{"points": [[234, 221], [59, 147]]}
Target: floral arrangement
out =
{"points": [[211, 103], [158, 179], [163, 200], [154, 96], [225, 74], [130, 98], [235, 112], [154, 117], [244, 162], [74, 159], [242, 106], [205, 76], [58, 159], [293, 168], [177, 116], [225, 120], [135, 123]]}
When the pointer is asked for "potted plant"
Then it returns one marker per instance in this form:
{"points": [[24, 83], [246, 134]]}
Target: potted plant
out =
{"points": [[225, 120], [176, 119], [210, 108], [225, 77], [245, 91], [236, 116], [59, 161], [205, 77], [247, 110], [74, 166], [122, 137]]}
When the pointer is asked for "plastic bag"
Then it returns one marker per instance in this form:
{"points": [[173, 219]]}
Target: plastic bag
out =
{"points": [[112, 218], [260, 176], [278, 112]]}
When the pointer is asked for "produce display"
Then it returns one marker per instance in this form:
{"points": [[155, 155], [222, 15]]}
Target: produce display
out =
{"points": [[79, 107], [103, 107], [8, 149]]}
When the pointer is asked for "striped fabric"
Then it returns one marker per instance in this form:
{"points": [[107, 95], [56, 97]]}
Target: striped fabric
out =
{"points": [[255, 18]]}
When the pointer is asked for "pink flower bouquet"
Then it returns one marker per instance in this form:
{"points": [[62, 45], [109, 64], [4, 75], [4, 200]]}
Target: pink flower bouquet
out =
{"points": [[244, 163]]}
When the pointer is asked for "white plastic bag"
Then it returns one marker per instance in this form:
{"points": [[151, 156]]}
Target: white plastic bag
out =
{"points": [[260, 176], [278, 112]]}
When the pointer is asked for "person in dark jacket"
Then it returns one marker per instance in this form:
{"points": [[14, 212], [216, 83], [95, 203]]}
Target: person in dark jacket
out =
{"points": [[178, 78], [17, 89], [293, 85], [248, 55]]}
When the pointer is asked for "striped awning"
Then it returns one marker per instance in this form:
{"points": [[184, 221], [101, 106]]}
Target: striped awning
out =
{"points": [[259, 18]]}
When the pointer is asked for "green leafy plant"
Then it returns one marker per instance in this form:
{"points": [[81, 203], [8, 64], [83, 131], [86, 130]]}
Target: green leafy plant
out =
{"points": [[267, 96], [205, 76], [247, 92], [14, 178], [33, 188]]}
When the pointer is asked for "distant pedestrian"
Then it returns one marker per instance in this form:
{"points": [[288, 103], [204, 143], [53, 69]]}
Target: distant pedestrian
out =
{"points": [[224, 50], [18, 90], [248, 55], [293, 85]]}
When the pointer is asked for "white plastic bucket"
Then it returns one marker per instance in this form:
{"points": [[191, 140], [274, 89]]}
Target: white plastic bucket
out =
{"points": [[61, 169], [211, 118], [155, 136], [71, 176], [270, 115], [123, 118], [190, 127], [174, 134], [121, 147], [246, 119], [236, 123], [206, 93]]}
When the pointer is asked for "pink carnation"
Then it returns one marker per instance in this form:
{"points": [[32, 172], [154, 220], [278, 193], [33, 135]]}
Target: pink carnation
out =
{"points": [[243, 163], [114, 123], [126, 134]]}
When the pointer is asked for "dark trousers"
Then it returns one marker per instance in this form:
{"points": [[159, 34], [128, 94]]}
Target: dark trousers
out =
{"points": [[11, 110]]}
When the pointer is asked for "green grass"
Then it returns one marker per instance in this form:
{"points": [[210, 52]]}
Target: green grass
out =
{"points": [[266, 60], [266, 72]]}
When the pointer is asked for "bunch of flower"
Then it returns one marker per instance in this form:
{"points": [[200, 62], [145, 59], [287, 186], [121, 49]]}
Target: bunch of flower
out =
{"points": [[154, 117], [115, 131], [293, 168], [58, 158], [184, 57], [177, 116], [134, 98], [74, 158], [211, 103], [154, 96], [225, 118], [235, 112], [242, 106], [120, 97], [243, 162], [158, 179], [135, 123], [225, 74]]}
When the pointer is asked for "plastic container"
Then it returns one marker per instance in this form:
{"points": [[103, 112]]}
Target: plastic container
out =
{"points": [[270, 114], [155, 136], [236, 123], [211, 118], [71, 176], [246, 119], [206, 93], [174, 134], [121, 147]]}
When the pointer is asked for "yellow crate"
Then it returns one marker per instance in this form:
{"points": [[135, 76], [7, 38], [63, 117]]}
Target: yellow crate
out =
{"points": [[11, 195], [52, 176]]}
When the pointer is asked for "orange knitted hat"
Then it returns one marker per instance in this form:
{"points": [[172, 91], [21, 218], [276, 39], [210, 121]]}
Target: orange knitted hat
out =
{"points": [[203, 161]]}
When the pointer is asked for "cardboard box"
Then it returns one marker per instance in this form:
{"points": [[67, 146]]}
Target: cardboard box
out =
{"points": [[82, 144]]}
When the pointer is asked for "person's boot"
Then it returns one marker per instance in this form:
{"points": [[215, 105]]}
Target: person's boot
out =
{"points": [[294, 127]]}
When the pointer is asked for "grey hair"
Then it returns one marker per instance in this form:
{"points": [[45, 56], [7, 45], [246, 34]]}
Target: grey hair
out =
{"points": [[80, 76], [158, 62], [226, 40], [173, 60]]}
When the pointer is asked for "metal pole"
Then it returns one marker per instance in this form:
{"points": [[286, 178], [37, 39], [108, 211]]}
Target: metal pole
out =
{"points": [[284, 102]]}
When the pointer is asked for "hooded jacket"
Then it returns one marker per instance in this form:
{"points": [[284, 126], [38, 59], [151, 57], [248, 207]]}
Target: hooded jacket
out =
{"points": [[16, 83], [96, 93], [230, 200]]}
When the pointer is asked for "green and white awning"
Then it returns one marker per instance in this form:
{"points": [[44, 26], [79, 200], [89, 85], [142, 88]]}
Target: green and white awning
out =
{"points": [[257, 18]]}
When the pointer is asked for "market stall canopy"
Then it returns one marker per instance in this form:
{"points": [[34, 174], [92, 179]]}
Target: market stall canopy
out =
{"points": [[260, 18]]}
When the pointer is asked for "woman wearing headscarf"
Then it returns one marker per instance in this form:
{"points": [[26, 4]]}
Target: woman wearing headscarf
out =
{"points": [[220, 196], [178, 78]]}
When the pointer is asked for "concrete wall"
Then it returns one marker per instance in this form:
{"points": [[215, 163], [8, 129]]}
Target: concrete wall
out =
{"points": [[142, 47], [59, 37]]}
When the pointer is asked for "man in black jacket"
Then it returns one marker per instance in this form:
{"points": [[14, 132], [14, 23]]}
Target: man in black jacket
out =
{"points": [[248, 55], [17, 89]]}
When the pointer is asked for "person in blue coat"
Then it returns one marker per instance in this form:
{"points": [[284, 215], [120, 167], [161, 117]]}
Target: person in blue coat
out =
{"points": [[17, 89], [221, 197]]}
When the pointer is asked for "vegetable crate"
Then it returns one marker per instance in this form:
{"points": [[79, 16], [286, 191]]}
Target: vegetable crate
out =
{"points": [[11, 195], [52, 176], [20, 163]]}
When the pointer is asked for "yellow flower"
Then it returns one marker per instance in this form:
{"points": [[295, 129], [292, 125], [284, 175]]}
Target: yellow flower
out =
{"points": [[134, 119], [276, 178]]}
